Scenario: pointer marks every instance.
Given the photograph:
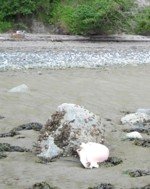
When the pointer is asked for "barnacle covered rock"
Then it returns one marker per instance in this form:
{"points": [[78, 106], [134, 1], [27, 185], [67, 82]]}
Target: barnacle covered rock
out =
{"points": [[67, 128]]}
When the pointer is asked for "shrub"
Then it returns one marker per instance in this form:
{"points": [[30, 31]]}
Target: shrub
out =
{"points": [[5, 26], [142, 22], [85, 16], [20, 12]]}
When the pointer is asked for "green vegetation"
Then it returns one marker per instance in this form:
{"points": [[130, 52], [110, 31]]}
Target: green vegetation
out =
{"points": [[82, 17], [142, 20], [75, 16], [18, 14]]}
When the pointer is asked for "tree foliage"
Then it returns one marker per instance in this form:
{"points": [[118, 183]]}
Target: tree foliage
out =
{"points": [[86, 16], [142, 20], [75, 16]]}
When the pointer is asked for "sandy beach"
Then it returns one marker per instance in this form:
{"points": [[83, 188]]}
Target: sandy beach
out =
{"points": [[106, 92]]}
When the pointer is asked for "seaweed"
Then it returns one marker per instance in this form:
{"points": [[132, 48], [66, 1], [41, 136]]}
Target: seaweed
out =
{"points": [[28, 126], [111, 161], [42, 185], [2, 155], [103, 186], [5, 147], [137, 173], [142, 142]]}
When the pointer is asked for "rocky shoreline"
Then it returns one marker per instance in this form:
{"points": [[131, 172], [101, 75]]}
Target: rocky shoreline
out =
{"points": [[61, 52]]}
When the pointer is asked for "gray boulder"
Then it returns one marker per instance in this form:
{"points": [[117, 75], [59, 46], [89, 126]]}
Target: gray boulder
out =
{"points": [[67, 128]]}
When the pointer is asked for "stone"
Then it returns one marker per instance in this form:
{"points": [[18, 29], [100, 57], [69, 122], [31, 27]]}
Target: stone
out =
{"points": [[70, 126], [19, 89], [133, 134], [145, 111], [92, 153], [135, 118]]}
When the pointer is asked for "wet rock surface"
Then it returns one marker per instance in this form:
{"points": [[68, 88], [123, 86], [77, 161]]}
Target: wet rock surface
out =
{"points": [[138, 122], [103, 186], [68, 127], [138, 173]]}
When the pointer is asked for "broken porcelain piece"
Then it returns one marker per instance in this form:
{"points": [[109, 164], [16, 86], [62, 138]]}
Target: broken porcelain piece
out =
{"points": [[133, 135], [92, 153]]}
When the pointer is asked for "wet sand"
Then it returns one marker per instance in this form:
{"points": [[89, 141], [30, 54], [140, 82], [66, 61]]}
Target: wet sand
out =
{"points": [[106, 92]]}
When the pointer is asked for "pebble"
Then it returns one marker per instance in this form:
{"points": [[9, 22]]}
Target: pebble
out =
{"points": [[72, 58], [133, 134]]}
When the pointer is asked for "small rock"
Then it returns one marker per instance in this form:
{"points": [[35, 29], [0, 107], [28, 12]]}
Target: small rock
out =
{"points": [[39, 73], [145, 129], [134, 134], [19, 89], [135, 118], [145, 111]]}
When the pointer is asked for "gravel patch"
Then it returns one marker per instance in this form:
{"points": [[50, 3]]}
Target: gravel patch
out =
{"points": [[60, 55]]}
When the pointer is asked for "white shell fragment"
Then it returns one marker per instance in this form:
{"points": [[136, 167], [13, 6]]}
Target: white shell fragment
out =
{"points": [[134, 118], [19, 89], [92, 153], [134, 135]]}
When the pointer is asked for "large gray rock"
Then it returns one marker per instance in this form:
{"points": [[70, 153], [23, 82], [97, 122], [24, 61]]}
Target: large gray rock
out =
{"points": [[67, 128]]}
